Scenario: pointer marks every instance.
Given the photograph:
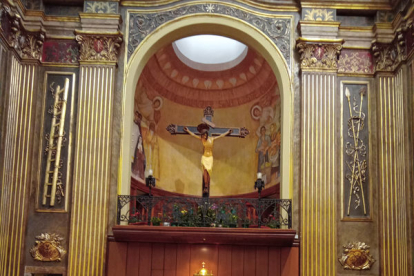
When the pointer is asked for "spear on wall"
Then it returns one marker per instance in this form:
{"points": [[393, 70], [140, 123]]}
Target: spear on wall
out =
{"points": [[356, 159]]}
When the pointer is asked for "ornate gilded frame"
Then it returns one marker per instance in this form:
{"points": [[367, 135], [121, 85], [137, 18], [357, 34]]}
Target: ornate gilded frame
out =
{"points": [[69, 143], [370, 149]]}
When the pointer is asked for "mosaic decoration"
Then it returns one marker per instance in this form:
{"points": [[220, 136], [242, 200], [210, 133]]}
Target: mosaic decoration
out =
{"points": [[318, 14], [100, 7], [356, 256], [355, 62], [48, 248], [277, 29], [356, 188], [60, 52]]}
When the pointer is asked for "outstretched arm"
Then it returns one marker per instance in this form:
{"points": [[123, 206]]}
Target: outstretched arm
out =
{"points": [[224, 134], [191, 133]]}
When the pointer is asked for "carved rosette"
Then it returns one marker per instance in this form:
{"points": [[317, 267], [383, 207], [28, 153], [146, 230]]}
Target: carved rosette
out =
{"points": [[48, 248], [314, 55], [28, 44], [356, 256], [389, 56], [99, 47]]}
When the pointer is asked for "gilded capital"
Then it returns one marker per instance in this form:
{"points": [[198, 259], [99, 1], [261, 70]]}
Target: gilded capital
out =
{"points": [[28, 44], [388, 56], [99, 47], [322, 54]]}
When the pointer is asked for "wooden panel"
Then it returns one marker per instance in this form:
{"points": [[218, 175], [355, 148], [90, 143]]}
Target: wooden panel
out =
{"points": [[224, 260], [132, 268], [289, 260], [237, 260], [183, 260], [262, 260], [274, 261], [145, 253], [157, 259], [249, 265], [157, 256], [117, 258], [170, 261], [204, 253]]}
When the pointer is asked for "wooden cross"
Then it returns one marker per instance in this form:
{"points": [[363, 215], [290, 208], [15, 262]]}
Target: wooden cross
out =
{"points": [[241, 132], [213, 131]]}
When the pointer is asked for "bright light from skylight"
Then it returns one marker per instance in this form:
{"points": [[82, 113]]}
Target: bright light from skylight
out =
{"points": [[206, 50]]}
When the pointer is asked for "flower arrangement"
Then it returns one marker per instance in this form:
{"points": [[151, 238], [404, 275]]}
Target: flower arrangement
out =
{"points": [[156, 221], [273, 222]]}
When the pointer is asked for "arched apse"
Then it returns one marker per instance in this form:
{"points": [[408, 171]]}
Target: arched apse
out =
{"points": [[207, 24]]}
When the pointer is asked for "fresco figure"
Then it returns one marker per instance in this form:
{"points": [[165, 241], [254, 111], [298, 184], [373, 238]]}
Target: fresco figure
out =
{"points": [[138, 154], [207, 157], [262, 148], [274, 149]]}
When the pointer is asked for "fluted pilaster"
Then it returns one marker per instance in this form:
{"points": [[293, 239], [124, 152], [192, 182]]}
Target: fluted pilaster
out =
{"points": [[319, 63], [91, 180]]}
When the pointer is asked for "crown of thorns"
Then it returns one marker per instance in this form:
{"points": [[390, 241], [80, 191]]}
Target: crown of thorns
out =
{"points": [[203, 128]]}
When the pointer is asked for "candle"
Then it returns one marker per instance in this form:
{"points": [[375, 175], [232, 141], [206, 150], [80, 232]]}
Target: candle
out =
{"points": [[259, 175], [150, 172]]}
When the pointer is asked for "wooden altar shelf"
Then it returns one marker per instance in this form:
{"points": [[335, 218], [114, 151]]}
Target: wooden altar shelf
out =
{"points": [[205, 235]]}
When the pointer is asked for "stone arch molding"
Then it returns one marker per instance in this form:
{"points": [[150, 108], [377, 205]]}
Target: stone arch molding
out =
{"points": [[148, 31]]}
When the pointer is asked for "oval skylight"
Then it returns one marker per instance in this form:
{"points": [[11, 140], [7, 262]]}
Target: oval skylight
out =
{"points": [[210, 52]]}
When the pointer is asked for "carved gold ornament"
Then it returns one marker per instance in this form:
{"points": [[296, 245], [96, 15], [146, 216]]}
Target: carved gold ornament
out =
{"points": [[356, 256], [99, 47], [48, 248], [319, 55], [28, 44], [389, 56]]}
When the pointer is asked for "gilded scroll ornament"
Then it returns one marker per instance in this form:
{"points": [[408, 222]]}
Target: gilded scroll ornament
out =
{"points": [[99, 47], [357, 166], [278, 30], [319, 55], [389, 56], [356, 256], [48, 248], [28, 44], [319, 15]]}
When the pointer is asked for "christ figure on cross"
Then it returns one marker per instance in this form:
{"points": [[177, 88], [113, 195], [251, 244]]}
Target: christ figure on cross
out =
{"points": [[207, 158], [207, 132]]}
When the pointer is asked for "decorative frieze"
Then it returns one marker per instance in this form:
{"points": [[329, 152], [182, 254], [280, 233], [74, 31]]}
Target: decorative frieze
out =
{"points": [[102, 47], [278, 30], [319, 55], [355, 62], [60, 51], [319, 14], [100, 7]]}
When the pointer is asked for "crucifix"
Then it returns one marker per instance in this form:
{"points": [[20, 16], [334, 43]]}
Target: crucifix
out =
{"points": [[207, 132]]}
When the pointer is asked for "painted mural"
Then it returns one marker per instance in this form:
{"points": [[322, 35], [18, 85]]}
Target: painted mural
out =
{"points": [[245, 99]]}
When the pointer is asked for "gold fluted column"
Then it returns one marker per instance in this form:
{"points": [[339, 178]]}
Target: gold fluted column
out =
{"points": [[87, 244], [318, 155], [394, 187], [24, 50]]}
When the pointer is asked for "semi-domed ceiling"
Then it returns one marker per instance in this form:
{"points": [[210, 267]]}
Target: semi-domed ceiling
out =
{"points": [[168, 74]]}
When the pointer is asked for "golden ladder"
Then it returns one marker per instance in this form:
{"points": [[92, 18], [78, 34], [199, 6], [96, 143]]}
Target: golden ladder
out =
{"points": [[55, 145]]}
